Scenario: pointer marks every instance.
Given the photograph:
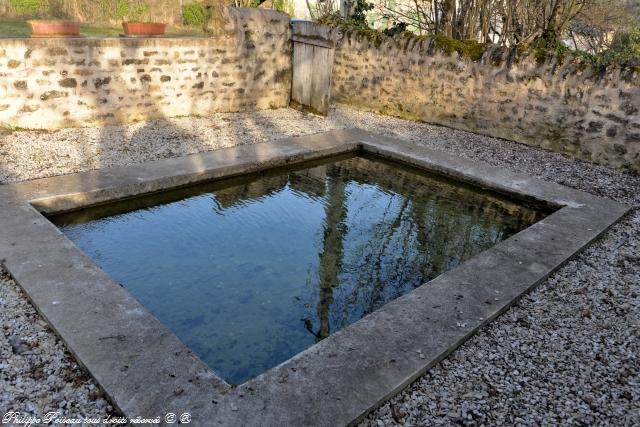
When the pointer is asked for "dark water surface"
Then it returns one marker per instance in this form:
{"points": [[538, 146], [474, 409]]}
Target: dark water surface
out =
{"points": [[251, 271]]}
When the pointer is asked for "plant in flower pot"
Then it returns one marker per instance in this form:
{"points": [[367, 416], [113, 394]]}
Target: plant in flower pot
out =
{"points": [[138, 25], [54, 28]]}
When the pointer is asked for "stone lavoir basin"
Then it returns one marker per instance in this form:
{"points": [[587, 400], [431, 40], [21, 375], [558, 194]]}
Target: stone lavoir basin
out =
{"points": [[250, 271], [247, 286]]}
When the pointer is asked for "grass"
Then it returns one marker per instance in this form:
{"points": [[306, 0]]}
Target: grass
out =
{"points": [[7, 129], [12, 28]]}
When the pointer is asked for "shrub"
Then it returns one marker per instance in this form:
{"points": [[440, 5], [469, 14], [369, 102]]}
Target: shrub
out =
{"points": [[139, 12], [357, 20], [396, 29], [123, 10], [27, 7], [624, 50], [358, 17], [193, 14]]}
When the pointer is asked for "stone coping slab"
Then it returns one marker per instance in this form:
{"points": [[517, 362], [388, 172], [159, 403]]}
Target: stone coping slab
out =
{"points": [[146, 370]]}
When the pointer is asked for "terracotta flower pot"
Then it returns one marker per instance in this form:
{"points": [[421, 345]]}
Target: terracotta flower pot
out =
{"points": [[143, 28], [40, 28]]}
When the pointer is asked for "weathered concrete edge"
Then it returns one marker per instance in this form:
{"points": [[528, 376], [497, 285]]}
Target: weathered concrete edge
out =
{"points": [[75, 191], [100, 186], [501, 180]]}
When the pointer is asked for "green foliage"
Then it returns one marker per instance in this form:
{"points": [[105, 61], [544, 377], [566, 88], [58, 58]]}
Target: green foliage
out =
{"points": [[624, 50], [194, 14], [357, 20], [395, 29], [563, 51], [286, 6], [543, 50], [138, 11], [120, 10], [358, 17], [27, 7]]}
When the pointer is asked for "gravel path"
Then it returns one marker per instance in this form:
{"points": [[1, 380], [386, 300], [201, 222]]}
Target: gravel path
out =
{"points": [[566, 354]]}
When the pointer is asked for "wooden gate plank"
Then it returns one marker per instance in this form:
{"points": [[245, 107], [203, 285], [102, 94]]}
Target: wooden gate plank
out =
{"points": [[312, 64]]}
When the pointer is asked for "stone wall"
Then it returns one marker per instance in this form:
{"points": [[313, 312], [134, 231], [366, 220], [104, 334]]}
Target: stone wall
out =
{"points": [[563, 106], [50, 83]]}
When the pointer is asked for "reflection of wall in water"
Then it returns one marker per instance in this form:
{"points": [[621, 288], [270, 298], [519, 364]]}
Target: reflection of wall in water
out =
{"points": [[310, 181], [254, 190]]}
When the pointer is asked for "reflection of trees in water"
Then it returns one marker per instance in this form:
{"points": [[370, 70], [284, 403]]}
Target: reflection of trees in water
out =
{"points": [[424, 230], [331, 256]]}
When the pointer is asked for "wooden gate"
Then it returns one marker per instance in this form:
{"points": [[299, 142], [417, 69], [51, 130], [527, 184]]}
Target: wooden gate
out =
{"points": [[313, 46]]}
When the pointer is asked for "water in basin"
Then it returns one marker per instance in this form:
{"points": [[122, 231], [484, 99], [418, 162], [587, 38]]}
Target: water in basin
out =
{"points": [[250, 271]]}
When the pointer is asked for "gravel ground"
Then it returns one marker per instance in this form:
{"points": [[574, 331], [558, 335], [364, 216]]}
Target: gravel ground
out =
{"points": [[566, 354], [37, 373]]}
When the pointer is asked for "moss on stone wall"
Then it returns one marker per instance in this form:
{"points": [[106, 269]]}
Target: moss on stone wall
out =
{"points": [[374, 36], [474, 51], [465, 48]]}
